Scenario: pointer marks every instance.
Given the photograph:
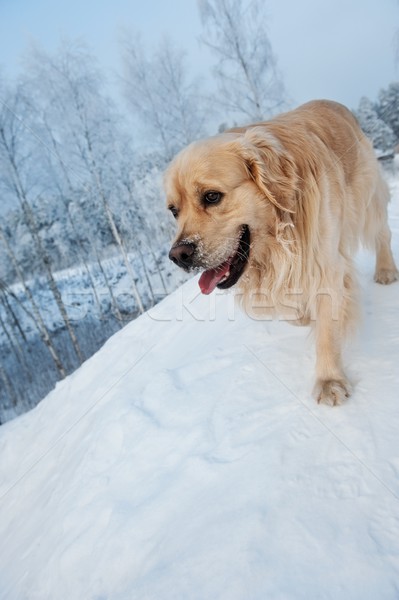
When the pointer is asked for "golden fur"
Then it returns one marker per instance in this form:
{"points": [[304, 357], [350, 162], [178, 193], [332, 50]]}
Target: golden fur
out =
{"points": [[309, 187]]}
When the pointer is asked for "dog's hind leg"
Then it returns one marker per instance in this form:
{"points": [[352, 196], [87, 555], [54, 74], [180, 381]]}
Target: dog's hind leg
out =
{"points": [[385, 269]]}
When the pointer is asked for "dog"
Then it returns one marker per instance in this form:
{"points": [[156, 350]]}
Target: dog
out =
{"points": [[278, 209]]}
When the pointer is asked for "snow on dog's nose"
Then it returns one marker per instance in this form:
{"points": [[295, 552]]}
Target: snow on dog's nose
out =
{"points": [[182, 255]]}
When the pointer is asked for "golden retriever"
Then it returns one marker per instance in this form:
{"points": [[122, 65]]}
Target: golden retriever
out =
{"points": [[278, 209]]}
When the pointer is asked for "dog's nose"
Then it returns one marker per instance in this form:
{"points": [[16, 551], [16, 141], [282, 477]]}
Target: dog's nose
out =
{"points": [[182, 255]]}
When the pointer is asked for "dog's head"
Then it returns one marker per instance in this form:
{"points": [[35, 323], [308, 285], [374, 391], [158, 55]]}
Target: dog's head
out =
{"points": [[228, 194]]}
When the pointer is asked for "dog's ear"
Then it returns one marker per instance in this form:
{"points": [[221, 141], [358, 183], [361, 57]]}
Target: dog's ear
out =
{"points": [[270, 166]]}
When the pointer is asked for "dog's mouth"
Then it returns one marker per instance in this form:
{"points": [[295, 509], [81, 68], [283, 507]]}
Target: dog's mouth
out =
{"points": [[229, 272]]}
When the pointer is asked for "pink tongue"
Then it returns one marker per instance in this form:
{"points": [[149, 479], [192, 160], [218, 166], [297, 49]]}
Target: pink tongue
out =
{"points": [[209, 279]]}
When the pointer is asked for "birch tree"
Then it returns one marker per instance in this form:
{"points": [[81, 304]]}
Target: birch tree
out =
{"points": [[12, 328], [63, 182], [161, 94], [388, 107], [20, 176], [249, 83], [37, 317], [87, 122]]}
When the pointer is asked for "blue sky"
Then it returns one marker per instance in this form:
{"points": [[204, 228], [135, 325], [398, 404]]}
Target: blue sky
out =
{"points": [[338, 49]]}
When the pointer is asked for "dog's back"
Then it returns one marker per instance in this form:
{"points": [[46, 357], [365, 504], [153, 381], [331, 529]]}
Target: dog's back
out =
{"points": [[328, 145]]}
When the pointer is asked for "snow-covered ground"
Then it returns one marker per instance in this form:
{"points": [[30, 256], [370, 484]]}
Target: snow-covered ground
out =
{"points": [[187, 460]]}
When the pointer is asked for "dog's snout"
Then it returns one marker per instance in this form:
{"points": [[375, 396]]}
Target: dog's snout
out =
{"points": [[182, 255]]}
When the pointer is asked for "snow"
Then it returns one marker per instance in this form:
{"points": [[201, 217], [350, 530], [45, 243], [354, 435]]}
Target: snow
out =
{"points": [[187, 460]]}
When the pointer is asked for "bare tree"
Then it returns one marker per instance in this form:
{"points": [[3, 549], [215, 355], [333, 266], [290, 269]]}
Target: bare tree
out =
{"points": [[17, 160], [37, 317], [87, 122], [160, 93], [126, 180], [12, 339], [12, 327], [249, 83], [9, 387], [77, 214], [4, 293], [65, 192]]}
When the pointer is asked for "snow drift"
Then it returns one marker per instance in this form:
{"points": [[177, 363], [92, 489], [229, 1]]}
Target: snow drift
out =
{"points": [[186, 459]]}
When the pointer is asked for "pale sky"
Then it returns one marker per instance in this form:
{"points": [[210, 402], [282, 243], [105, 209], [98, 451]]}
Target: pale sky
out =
{"points": [[337, 49]]}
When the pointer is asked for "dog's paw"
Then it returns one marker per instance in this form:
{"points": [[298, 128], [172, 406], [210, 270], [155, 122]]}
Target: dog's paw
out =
{"points": [[332, 392], [386, 276]]}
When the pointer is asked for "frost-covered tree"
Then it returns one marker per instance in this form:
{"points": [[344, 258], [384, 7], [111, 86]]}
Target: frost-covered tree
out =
{"points": [[85, 124], [20, 177], [37, 316], [249, 83], [162, 95], [388, 107], [373, 126]]}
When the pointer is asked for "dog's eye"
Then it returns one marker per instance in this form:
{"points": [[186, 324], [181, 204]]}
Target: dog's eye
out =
{"points": [[174, 211], [212, 197]]}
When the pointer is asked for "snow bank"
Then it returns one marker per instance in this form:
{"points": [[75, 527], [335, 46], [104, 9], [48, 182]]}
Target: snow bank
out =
{"points": [[187, 459]]}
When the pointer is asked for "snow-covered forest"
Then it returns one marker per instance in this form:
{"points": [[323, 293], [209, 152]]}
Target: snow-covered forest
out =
{"points": [[84, 235]]}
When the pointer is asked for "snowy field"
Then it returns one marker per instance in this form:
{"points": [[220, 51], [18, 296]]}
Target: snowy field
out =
{"points": [[187, 460]]}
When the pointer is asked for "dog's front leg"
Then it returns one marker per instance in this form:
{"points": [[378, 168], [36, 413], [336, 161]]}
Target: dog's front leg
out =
{"points": [[332, 386]]}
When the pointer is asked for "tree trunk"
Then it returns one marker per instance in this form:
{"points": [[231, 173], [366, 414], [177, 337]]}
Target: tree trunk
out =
{"points": [[10, 310], [50, 278], [8, 386], [145, 231], [71, 219], [146, 274], [13, 340], [41, 326], [111, 220], [22, 199], [114, 303]]}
